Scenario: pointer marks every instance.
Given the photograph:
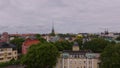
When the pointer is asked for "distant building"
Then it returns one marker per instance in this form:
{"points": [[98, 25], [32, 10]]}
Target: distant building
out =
{"points": [[5, 37], [28, 42], [109, 35], [7, 52], [78, 59]]}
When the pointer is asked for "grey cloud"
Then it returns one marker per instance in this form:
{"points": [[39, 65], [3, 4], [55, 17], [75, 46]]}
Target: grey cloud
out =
{"points": [[68, 15]]}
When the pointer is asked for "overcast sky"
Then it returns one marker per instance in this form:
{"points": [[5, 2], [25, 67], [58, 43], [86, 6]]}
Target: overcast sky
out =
{"points": [[69, 16]]}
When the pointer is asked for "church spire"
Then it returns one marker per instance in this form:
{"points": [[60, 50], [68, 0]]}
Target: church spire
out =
{"points": [[53, 31]]}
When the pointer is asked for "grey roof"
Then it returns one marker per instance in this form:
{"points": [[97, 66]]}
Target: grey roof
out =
{"points": [[6, 45], [77, 52]]}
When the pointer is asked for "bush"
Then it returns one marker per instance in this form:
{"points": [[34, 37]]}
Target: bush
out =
{"points": [[12, 62]]}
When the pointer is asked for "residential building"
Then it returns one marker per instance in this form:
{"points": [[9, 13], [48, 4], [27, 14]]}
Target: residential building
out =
{"points": [[7, 52], [28, 42], [5, 37], [78, 59]]}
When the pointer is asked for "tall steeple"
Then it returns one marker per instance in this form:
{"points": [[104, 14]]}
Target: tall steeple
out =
{"points": [[106, 31], [53, 31]]}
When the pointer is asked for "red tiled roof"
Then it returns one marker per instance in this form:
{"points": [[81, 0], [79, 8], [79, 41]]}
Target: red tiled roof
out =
{"points": [[30, 42]]}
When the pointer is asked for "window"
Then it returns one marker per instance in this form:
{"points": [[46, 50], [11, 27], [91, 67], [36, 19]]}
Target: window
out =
{"points": [[65, 67], [9, 58], [1, 54], [1, 58], [15, 57], [15, 53], [75, 56], [84, 61], [90, 62], [9, 53], [1, 50]]}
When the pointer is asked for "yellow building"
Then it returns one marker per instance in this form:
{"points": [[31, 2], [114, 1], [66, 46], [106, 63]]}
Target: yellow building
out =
{"points": [[79, 36], [78, 59], [7, 52]]}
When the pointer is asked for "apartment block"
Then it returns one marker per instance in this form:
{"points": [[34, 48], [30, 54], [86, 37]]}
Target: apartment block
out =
{"points": [[7, 52]]}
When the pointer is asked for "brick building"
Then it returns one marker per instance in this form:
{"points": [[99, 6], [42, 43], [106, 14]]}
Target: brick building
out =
{"points": [[28, 43]]}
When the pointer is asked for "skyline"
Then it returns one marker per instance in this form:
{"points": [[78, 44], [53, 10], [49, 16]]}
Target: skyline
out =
{"points": [[69, 16]]}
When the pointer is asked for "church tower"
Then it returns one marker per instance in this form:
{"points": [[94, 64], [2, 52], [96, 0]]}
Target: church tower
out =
{"points": [[106, 32], [53, 31], [75, 47]]}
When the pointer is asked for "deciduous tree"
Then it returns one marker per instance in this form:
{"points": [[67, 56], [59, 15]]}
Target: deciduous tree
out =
{"points": [[18, 42], [110, 58], [96, 45], [41, 56]]}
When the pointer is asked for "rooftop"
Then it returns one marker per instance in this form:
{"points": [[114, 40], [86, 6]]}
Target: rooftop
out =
{"points": [[6, 45]]}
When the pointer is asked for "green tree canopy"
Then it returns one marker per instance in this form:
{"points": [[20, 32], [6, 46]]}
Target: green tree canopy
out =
{"points": [[39, 37], [63, 45], [67, 35], [41, 56], [118, 38], [96, 45], [18, 42], [110, 58]]}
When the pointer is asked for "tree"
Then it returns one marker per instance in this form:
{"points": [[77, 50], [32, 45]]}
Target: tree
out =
{"points": [[118, 38], [41, 56], [18, 42], [96, 45], [66, 35], [63, 45], [39, 37], [110, 57]]}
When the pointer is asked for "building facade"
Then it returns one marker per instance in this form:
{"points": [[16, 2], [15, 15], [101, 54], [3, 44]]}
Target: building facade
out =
{"points": [[5, 37], [27, 44], [78, 59], [7, 52]]}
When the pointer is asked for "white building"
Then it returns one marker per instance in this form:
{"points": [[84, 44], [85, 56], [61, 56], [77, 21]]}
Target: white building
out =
{"points": [[7, 52], [78, 59]]}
